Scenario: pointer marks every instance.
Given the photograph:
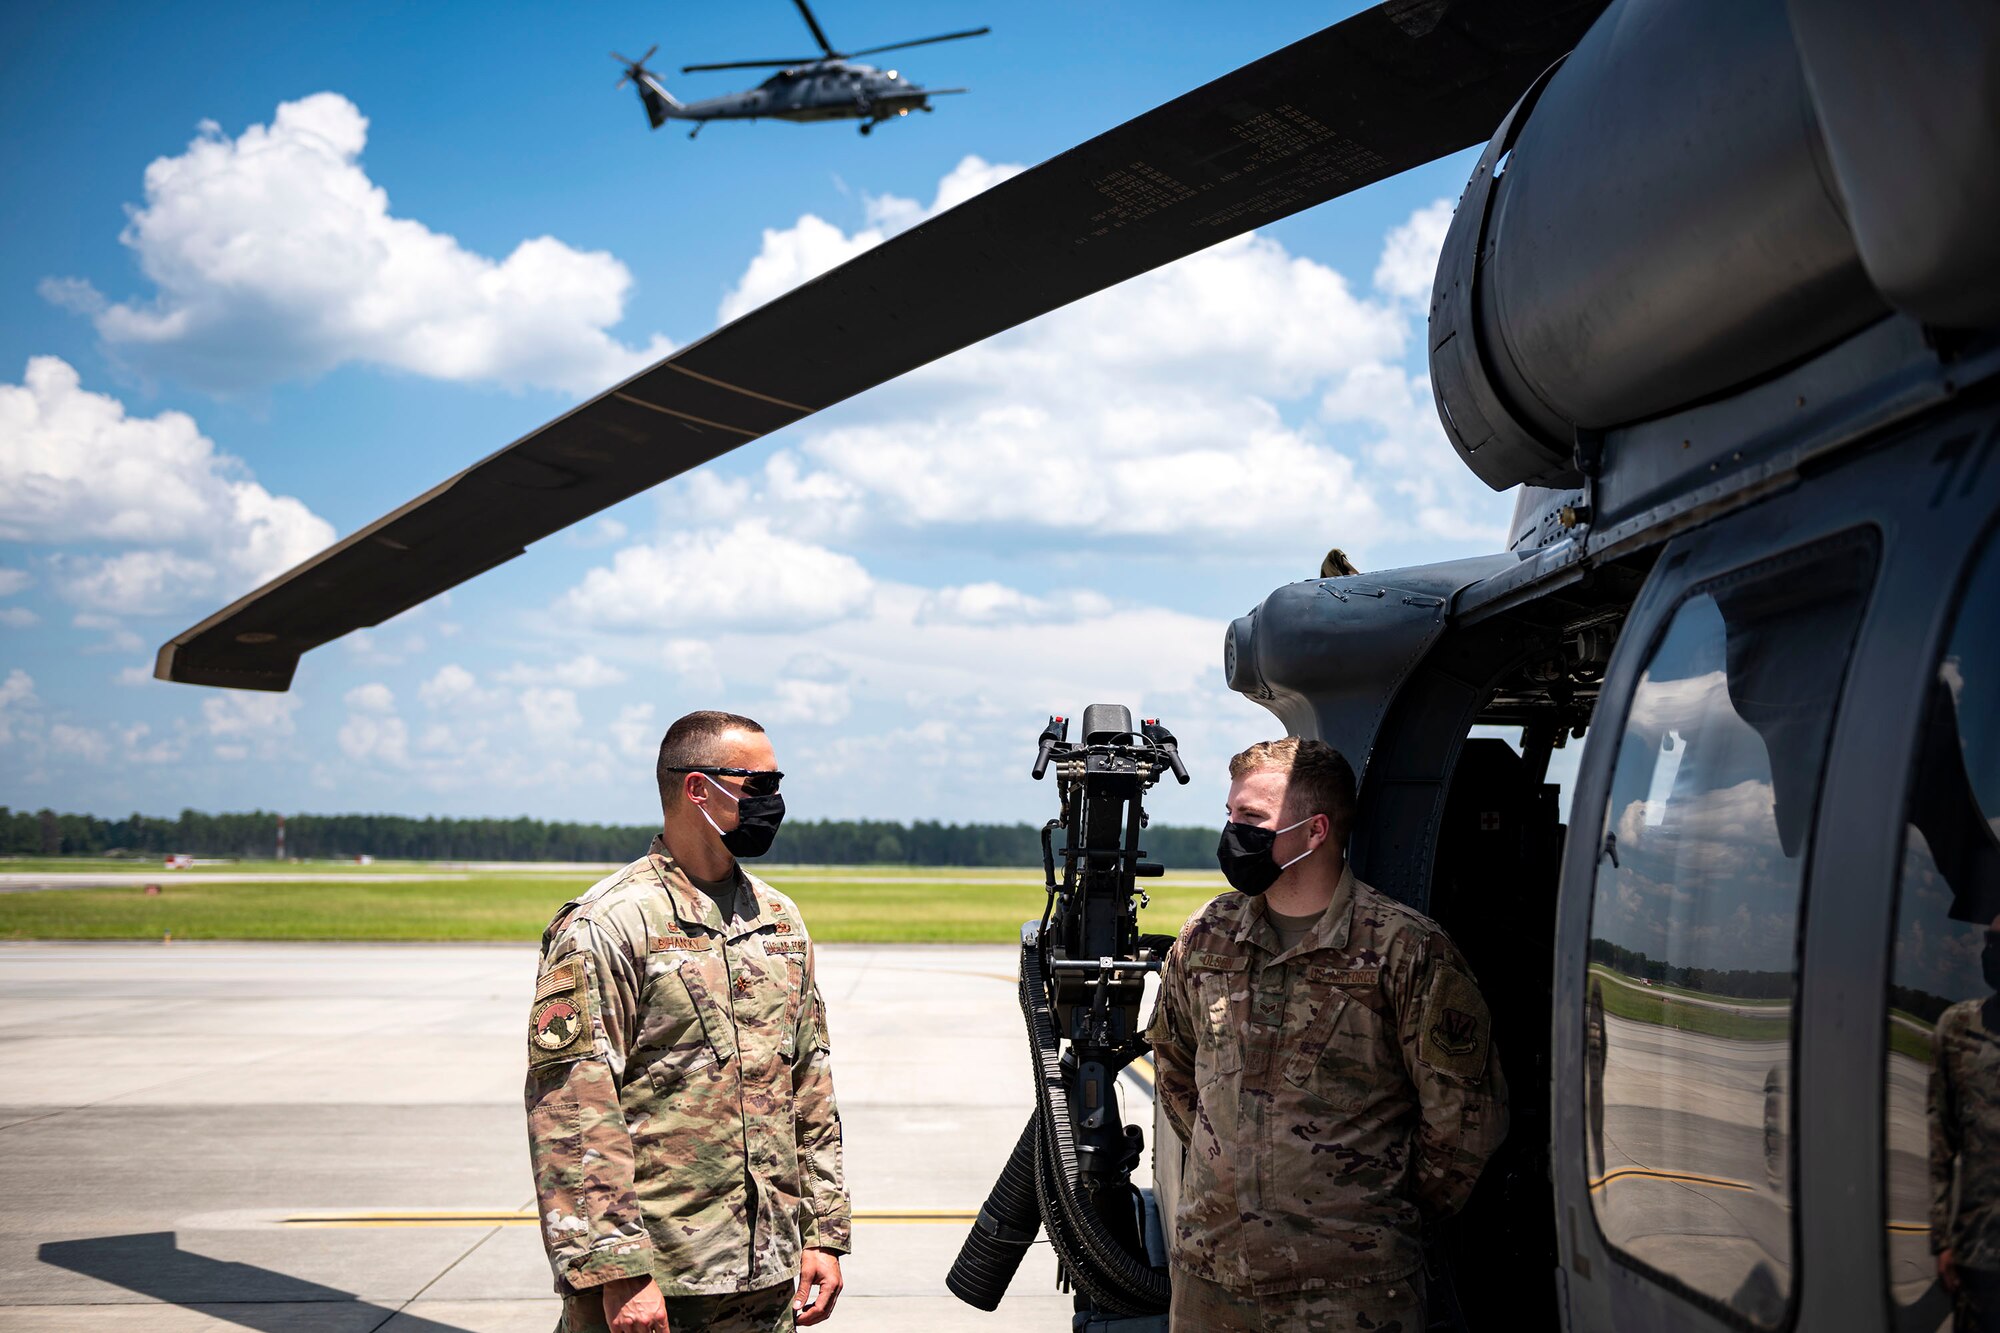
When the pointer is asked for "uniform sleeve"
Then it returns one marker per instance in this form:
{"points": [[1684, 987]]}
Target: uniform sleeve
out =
{"points": [[827, 1223], [1447, 1038], [1943, 1117], [1172, 1035], [579, 1029]]}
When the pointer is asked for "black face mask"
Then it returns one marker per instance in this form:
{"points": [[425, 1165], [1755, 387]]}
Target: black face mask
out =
{"points": [[1244, 853], [757, 820], [1989, 960]]}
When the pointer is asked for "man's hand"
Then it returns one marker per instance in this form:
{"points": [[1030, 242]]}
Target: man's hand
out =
{"points": [[821, 1269], [1948, 1270], [634, 1305]]}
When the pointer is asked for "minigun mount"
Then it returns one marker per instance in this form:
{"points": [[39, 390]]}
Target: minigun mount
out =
{"points": [[1083, 974]]}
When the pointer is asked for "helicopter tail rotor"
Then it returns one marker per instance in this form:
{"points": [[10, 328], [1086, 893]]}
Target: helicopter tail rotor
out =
{"points": [[653, 95]]}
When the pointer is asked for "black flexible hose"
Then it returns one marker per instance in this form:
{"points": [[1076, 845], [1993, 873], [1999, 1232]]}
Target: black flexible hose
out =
{"points": [[1040, 1184], [1007, 1224], [1139, 1287]]}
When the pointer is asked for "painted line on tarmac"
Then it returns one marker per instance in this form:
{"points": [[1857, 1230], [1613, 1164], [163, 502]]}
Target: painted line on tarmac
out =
{"points": [[490, 1218], [1680, 1177]]}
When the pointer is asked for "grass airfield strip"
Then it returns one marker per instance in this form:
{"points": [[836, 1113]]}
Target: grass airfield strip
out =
{"points": [[861, 904]]}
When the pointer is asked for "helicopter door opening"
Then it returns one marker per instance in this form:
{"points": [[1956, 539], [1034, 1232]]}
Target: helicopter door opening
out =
{"points": [[1493, 888], [1467, 827]]}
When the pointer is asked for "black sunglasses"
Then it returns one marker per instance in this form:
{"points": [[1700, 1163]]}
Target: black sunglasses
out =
{"points": [[756, 781]]}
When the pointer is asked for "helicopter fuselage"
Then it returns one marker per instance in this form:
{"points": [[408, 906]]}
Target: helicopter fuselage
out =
{"points": [[824, 90]]}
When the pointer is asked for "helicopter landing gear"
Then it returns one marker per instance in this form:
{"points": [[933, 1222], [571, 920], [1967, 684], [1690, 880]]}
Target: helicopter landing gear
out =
{"points": [[867, 127], [697, 128]]}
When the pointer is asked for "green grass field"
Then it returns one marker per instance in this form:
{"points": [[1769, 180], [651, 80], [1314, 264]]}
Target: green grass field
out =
{"points": [[1647, 1004], [517, 905]]}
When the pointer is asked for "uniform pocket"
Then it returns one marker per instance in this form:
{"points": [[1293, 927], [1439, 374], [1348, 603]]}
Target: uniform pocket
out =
{"points": [[672, 1070], [1337, 1062], [1219, 1049], [681, 1022], [709, 995]]}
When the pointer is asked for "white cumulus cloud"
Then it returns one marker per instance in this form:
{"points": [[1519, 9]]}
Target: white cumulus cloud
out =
{"points": [[275, 256], [374, 697], [579, 673], [76, 469], [809, 247], [1178, 406], [997, 604], [1410, 253], [744, 575], [17, 699]]}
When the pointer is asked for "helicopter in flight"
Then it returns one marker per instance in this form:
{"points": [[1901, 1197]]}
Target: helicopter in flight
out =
{"points": [[828, 86], [1720, 305]]}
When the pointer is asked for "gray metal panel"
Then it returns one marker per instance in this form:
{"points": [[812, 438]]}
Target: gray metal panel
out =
{"points": [[1328, 656], [1665, 229], [1911, 114]]}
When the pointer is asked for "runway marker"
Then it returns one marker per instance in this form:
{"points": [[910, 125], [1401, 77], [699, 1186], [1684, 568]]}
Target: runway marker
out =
{"points": [[1683, 1177]]}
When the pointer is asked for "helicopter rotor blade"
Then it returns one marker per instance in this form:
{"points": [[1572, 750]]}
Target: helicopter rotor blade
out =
{"points": [[1363, 100], [752, 64], [921, 41], [819, 35]]}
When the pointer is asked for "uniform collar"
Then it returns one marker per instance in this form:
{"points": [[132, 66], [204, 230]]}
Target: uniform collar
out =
{"points": [[1329, 932], [694, 907]]}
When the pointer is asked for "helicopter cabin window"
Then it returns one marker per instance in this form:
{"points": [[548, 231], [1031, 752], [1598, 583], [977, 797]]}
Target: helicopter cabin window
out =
{"points": [[1694, 936], [1942, 1076]]}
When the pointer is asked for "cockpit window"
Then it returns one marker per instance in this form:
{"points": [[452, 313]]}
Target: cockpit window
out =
{"points": [[1693, 970], [1942, 1074]]}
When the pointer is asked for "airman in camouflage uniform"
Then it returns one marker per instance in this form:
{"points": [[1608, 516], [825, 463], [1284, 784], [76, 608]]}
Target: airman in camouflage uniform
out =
{"points": [[681, 1117], [1332, 1095], [1965, 1161]]}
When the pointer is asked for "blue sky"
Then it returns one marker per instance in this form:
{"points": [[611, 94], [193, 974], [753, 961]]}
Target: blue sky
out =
{"points": [[272, 270]]}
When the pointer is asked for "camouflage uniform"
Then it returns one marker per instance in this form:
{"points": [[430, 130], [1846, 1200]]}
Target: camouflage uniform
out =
{"points": [[766, 1311], [1331, 1097], [1965, 1153], [1373, 1307], [681, 1120]]}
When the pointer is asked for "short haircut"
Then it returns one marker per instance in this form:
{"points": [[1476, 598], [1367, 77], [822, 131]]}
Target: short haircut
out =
{"points": [[690, 743], [1322, 781]]}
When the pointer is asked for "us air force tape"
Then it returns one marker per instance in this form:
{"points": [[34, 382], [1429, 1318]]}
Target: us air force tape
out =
{"points": [[559, 1026]]}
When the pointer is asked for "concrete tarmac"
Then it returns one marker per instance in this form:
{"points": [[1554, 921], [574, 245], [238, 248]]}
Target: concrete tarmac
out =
{"points": [[330, 1137]]}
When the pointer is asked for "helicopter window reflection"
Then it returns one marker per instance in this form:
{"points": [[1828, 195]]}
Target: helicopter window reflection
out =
{"points": [[1943, 1067], [1694, 928]]}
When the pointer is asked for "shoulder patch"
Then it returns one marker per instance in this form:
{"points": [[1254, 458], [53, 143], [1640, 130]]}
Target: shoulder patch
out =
{"points": [[559, 1026], [1456, 1028]]}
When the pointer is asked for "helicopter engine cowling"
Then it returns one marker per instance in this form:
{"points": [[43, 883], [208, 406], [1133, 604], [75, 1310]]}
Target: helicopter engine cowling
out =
{"points": [[1657, 223]]}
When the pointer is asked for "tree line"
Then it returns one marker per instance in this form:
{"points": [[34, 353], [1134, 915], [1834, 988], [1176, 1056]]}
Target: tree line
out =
{"points": [[1739, 983], [254, 834]]}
